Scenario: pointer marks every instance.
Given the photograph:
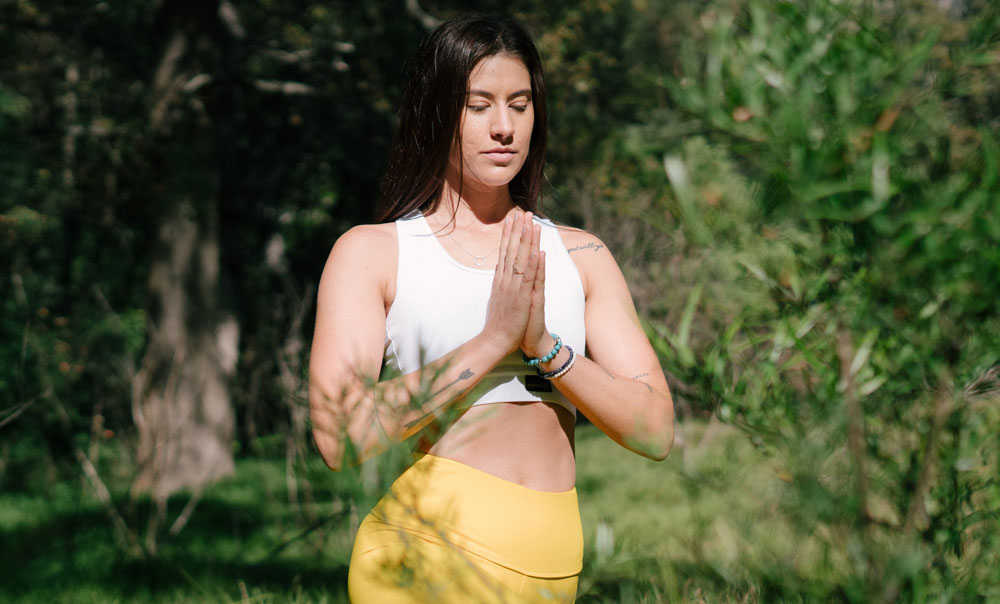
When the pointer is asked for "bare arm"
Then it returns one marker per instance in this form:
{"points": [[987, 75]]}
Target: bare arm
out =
{"points": [[347, 403], [619, 386]]}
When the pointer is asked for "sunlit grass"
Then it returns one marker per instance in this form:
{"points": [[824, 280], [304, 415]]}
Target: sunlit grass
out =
{"points": [[679, 530], [682, 527]]}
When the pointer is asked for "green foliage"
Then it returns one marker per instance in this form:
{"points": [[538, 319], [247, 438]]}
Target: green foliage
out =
{"points": [[803, 197], [86, 179], [841, 308]]}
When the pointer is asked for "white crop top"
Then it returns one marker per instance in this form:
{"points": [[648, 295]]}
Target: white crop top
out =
{"points": [[440, 304]]}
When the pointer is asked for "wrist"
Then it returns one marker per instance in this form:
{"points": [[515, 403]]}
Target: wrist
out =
{"points": [[558, 366], [543, 347], [493, 346], [557, 361]]}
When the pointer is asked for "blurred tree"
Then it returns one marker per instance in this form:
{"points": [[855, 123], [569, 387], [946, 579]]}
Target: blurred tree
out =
{"points": [[181, 402], [165, 197]]}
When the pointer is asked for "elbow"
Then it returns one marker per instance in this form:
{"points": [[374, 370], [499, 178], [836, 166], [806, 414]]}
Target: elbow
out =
{"points": [[332, 459], [664, 438], [326, 429], [662, 448], [660, 439], [344, 438], [654, 445], [330, 447], [338, 450]]}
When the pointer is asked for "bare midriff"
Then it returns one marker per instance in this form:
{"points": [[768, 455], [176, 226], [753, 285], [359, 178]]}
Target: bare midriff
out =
{"points": [[530, 444]]}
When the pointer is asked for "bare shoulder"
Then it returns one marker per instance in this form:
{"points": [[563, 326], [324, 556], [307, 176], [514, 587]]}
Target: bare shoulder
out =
{"points": [[367, 236], [591, 256], [366, 242], [364, 254], [580, 243]]}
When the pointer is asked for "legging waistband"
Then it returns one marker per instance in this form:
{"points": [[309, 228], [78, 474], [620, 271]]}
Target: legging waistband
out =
{"points": [[536, 533]]}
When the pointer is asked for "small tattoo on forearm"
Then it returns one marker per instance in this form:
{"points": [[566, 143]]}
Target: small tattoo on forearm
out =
{"points": [[641, 375], [465, 375], [590, 246], [610, 375]]}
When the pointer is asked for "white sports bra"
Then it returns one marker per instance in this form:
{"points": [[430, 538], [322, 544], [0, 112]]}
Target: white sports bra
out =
{"points": [[440, 304]]}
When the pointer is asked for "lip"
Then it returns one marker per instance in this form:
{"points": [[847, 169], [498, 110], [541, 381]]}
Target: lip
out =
{"points": [[500, 154]]}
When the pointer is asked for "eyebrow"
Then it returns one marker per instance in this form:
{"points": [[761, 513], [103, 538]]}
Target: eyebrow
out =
{"points": [[489, 95]]}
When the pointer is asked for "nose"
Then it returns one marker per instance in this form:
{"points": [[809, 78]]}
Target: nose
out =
{"points": [[502, 127]]}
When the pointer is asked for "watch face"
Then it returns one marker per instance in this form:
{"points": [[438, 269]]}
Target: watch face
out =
{"points": [[533, 383]]}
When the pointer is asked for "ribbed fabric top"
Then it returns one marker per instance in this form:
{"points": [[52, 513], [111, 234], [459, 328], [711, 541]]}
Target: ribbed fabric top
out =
{"points": [[440, 304]]}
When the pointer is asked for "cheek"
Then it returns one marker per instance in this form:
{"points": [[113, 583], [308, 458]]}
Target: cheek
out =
{"points": [[529, 123], [471, 131], [462, 153]]}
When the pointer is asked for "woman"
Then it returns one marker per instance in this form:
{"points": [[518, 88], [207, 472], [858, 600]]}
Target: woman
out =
{"points": [[465, 318]]}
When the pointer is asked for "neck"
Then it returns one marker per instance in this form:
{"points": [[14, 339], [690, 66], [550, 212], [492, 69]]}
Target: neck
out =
{"points": [[487, 206]]}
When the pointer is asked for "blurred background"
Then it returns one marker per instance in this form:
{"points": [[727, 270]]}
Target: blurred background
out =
{"points": [[804, 197]]}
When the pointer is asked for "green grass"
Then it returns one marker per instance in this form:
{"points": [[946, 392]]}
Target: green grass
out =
{"points": [[677, 531], [682, 527]]}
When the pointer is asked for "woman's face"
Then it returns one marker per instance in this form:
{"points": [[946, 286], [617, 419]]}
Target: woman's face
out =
{"points": [[496, 123]]}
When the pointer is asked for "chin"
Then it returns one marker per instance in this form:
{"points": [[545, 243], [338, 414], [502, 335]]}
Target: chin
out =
{"points": [[493, 183], [497, 177]]}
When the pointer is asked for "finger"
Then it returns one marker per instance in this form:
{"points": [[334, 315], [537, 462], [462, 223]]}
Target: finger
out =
{"points": [[531, 266], [533, 254], [504, 239], [513, 244], [524, 245], [539, 286]]}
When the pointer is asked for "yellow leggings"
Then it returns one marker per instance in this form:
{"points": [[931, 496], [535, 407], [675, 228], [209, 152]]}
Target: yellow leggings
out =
{"points": [[449, 533]]}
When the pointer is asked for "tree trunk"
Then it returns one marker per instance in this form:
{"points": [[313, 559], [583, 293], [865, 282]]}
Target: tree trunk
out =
{"points": [[183, 409], [181, 401]]}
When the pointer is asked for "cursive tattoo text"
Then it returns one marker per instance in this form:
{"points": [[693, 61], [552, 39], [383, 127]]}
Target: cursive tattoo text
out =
{"points": [[590, 246]]}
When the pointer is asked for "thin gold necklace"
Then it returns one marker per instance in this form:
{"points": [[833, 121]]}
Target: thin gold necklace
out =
{"points": [[477, 260]]}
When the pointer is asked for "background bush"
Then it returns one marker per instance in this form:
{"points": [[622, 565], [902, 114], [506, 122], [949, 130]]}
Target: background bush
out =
{"points": [[803, 197], [837, 214]]}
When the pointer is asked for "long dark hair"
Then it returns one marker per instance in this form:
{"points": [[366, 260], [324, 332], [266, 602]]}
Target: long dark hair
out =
{"points": [[432, 108]]}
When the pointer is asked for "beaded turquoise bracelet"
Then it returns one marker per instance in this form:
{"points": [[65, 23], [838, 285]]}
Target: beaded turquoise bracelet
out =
{"points": [[546, 358], [551, 375]]}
